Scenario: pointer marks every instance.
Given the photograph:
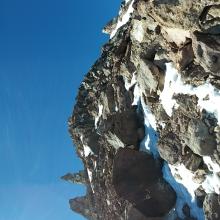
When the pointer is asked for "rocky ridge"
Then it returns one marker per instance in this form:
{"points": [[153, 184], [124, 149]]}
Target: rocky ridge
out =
{"points": [[146, 123]]}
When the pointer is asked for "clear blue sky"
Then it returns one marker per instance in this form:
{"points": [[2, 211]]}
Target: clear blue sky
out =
{"points": [[46, 47]]}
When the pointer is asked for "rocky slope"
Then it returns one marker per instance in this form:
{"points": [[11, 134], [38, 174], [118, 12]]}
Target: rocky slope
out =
{"points": [[146, 121]]}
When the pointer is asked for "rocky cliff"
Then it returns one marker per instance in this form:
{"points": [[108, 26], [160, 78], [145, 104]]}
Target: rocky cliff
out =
{"points": [[146, 123]]}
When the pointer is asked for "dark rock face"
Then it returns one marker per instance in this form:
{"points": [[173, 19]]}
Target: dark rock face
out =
{"points": [[119, 112], [207, 51], [137, 215], [137, 177], [126, 126]]}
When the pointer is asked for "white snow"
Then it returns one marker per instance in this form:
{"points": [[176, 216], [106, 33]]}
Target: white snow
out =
{"points": [[95, 164], [86, 149], [212, 184], [125, 18], [108, 202], [99, 115], [214, 167], [181, 179], [138, 31], [149, 143], [90, 179], [174, 84], [212, 181], [128, 85], [176, 35], [173, 174], [137, 95]]}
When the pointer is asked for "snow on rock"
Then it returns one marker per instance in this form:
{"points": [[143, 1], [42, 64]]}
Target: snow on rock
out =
{"points": [[174, 84], [212, 184], [181, 179], [99, 115], [212, 181], [137, 95], [214, 167], [86, 149], [125, 18], [90, 179], [150, 141]]}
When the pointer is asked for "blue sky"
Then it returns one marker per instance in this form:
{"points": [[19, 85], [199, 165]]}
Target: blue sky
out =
{"points": [[46, 47]]}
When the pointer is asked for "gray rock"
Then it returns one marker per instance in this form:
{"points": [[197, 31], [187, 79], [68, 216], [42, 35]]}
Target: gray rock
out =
{"points": [[206, 48], [137, 177], [199, 140], [78, 178], [211, 207]]}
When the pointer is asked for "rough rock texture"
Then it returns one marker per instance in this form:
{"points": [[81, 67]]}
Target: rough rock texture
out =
{"points": [[109, 124], [138, 179], [211, 206]]}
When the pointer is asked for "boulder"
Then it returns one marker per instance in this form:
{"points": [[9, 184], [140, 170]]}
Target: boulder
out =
{"points": [[138, 178]]}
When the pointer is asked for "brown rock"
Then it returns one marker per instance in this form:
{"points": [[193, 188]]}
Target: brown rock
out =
{"points": [[137, 177]]}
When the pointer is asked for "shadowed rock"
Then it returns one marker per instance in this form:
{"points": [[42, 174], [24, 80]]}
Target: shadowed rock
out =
{"points": [[137, 177]]}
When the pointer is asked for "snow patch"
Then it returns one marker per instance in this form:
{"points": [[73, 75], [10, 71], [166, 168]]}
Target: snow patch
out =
{"points": [[149, 143], [176, 35], [214, 167], [128, 85], [137, 95], [138, 31], [181, 179], [174, 84], [90, 179], [108, 202], [99, 115], [125, 18], [86, 149], [212, 184], [212, 181]]}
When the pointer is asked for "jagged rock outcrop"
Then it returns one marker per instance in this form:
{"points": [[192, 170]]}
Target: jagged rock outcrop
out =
{"points": [[147, 116]]}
